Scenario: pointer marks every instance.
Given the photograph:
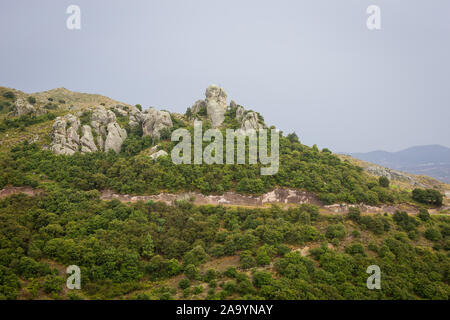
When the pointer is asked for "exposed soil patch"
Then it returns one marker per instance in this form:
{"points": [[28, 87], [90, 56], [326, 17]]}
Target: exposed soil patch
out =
{"points": [[282, 197], [16, 190], [277, 196]]}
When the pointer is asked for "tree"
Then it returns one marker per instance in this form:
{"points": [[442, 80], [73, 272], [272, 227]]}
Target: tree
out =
{"points": [[9, 95], [433, 234], [383, 182], [148, 249], [423, 215], [354, 214], [335, 231], [262, 278], [428, 196], [246, 260], [184, 283]]}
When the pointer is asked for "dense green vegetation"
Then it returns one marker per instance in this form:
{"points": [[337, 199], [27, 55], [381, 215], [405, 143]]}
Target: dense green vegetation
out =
{"points": [[428, 196], [130, 172], [155, 251]]}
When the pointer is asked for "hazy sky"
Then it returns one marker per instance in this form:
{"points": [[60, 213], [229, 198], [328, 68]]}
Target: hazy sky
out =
{"points": [[311, 67]]}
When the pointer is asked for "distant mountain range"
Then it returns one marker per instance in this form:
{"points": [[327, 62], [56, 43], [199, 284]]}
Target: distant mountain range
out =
{"points": [[429, 160]]}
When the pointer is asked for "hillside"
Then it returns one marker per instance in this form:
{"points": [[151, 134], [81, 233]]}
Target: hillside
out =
{"points": [[88, 181], [430, 160]]}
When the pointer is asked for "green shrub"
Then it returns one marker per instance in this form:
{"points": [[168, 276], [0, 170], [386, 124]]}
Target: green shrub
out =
{"points": [[423, 215], [383, 182], [335, 231], [433, 234], [184, 283]]}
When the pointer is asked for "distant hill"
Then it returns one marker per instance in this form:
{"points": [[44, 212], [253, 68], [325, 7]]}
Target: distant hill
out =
{"points": [[430, 160]]}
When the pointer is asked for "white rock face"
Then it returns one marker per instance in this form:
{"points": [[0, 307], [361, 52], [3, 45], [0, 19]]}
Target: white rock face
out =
{"points": [[199, 104], [136, 117], [21, 107], [216, 104], [155, 121], [251, 121], [160, 153], [87, 140], [116, 137], [240, 111], [100, 120], [65, 139]]}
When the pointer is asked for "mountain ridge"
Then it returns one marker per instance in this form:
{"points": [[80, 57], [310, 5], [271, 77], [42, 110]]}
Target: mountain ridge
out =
{"points": [[432, 160]]}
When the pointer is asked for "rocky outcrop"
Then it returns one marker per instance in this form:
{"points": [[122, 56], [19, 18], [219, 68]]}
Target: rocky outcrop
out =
{"points": [[21, 107], [250, 121], [216, 105], [198, 106], [66, 133], [116, 137], [87, 140], [100, 119], [135, 117], [160, 153], [154, 122], [392, 175], [65, 138], [155, 154]]}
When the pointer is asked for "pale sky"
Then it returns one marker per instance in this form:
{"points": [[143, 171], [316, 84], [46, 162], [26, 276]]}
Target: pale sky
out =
{"points": [[311, 67]]}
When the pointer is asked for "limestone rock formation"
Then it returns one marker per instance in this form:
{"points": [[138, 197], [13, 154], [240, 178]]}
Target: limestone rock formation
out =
{"points": [[251, 121], [216, 105], [198, 106], [65, 139], [66, 133], [21, 107], [116, 137], [393, 175], [160, 153], [135, 117], [100, 119], [154, 122], [87, 140]]}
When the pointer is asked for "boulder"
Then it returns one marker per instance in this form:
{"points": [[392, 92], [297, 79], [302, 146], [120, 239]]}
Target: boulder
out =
{"points": [[87, 140], [21, 107], [155, 121], [198, 105], [160, 153], [65, 138], [115, 138], [250, 121], [100, 119], [216, 105]]}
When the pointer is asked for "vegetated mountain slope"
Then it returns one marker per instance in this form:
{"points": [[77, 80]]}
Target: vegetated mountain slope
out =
{"points": [[151, 250], [22, 124], [400, 178], [155, 251], [81, 136], [76, 98], [430, 160]]}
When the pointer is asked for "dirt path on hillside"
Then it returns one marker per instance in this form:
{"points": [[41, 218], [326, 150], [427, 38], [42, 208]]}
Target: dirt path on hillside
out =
{"points": [[283, 197], [16, 190], [277, 196]]}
